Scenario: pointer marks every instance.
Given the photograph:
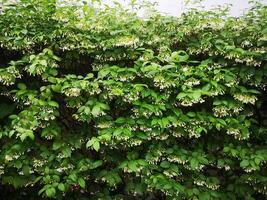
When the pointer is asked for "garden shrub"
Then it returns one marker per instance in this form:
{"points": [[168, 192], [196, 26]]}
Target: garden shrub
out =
{"points": [[102, 104]]}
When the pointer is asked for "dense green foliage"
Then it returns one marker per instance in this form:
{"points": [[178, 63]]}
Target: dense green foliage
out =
{"points": [[102, 104]]}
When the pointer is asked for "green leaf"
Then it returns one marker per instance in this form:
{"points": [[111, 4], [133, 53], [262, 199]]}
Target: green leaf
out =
{"points": [[96, 111], [22, 86], [257, 161], [104, 72], [43, 62], [61, 187], [50, 192], [73, 177], [53, 104], [194, 163], [203, 160], [120, 120], [25, 134], [57, 144], [26, 170], [181, 95], [196, 95], [179, 56], [66, 151], [244, 163], [96, 164], [18, 164], [56, 88], [165, 164], [94, 143], [191, 114], [81, 182], [204, 196]]}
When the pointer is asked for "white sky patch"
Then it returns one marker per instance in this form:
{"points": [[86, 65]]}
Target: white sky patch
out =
{"points": [[177, 7]]}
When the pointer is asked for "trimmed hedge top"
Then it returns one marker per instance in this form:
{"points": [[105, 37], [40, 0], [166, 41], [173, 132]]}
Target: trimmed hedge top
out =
{"points": [[101, 104]]}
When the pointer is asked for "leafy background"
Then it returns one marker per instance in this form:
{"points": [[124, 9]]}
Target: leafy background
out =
{"points": [[102, 104]]}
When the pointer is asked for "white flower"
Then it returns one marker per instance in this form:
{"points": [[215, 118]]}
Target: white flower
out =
{"points": [[73, 92], [245, 98]]}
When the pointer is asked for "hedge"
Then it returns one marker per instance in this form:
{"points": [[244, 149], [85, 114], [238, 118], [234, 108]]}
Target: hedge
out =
{"points": [[99, 103]]}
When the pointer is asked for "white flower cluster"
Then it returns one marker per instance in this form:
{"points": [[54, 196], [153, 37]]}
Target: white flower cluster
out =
{"points": [[251, 169], [215, 66], [48, 114], [253, 62], [170, 173], [130, 97], [204, 183], [248, 60], [127, 41], [236, 133], [232, 83], [222, 111], [93, 90], [38, 163], [2, 171], [161, 83], [177, 134], [218, 77], [226, 167], [145, 128], [72, 92], [176, 159], [216, 53], [135, 142], [137, 170], [246, 43], [12, 157], [67, 47], [63, 169], [8, 75], [235, 55], [245, 98], [104, 125], [262, 190], [261, 49], [216, 93], [22, 173], [137, 113], [161, 137], [258, 85], [185, 68], [182, 124], [198, 168], [49, 137], [35, 69], [189, 102], [154, 160], [122, 137], [192, 82], [164, 53], [97, 66], [199, 50], [192, 133], [125, 78], [134, 128], [233, 131]]}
